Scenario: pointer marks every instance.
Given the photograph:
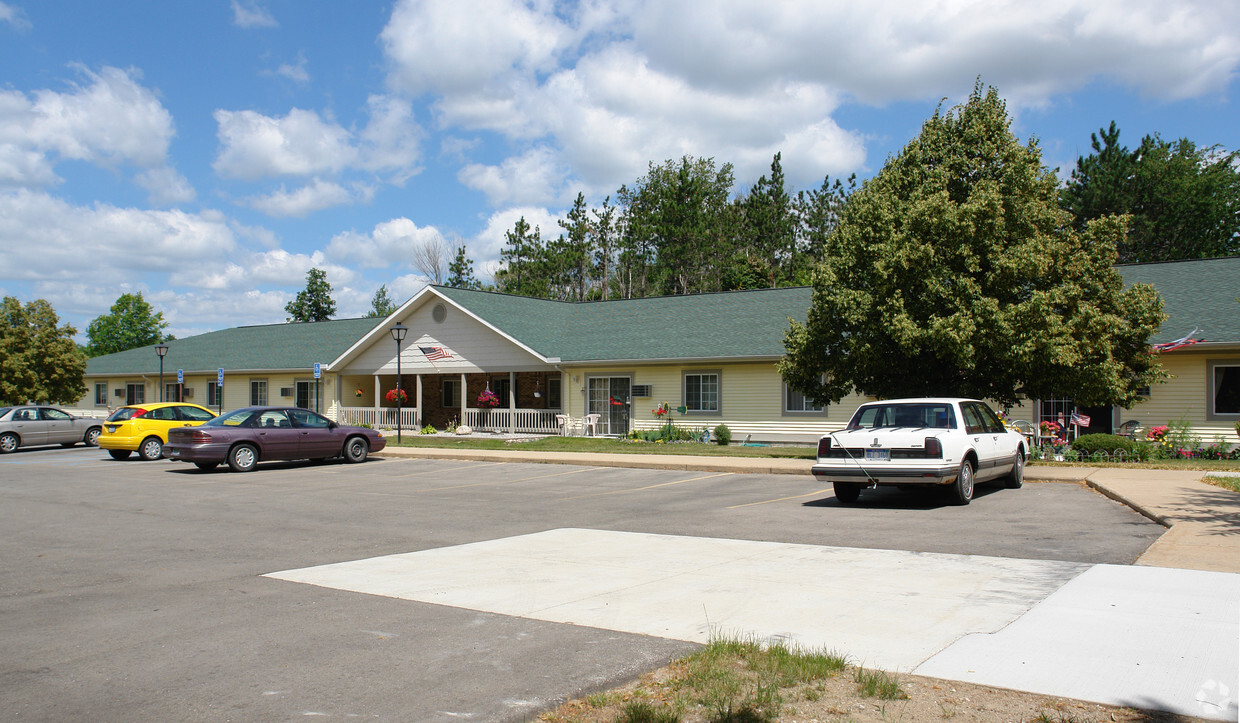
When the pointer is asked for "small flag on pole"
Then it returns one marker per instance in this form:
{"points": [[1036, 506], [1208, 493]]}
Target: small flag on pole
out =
{"points": [[434, 352], [1181, 342], [1080, 420]]}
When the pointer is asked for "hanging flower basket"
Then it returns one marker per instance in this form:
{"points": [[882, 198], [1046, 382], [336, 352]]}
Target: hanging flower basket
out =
{"points": [[391, 396], [487, 400], [358, 393]]}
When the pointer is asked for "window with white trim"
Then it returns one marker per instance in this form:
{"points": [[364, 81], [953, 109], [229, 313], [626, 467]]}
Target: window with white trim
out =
{"points": [[1224, 379], [701, 392], [258, 392], [101, 394], [213, 394]]}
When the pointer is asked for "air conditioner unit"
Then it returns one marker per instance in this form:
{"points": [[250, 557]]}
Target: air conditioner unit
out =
{"points": [[286, 391], [642, 390], [188, 392], [118, 392]]}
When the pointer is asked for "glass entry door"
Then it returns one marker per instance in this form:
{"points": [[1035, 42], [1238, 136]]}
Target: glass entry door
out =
{"points": [[609, 398]]}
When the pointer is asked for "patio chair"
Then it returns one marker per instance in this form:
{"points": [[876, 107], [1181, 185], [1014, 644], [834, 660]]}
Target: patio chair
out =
{"points": [[1028, 429], [1129, 429], [590, 423], [562, 421]]}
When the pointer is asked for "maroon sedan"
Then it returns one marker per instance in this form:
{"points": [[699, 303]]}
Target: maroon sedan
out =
{"points": [[244, 437]]}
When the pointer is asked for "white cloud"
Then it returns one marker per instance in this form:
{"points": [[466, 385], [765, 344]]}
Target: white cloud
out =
{"points": [[391, 140], [486, 246], [252, 15], [14, 17], [166, 186], [111, 121], [390, 245], [302, 201], [49, 239], [299, 144], [295, 72], [533, 177]]}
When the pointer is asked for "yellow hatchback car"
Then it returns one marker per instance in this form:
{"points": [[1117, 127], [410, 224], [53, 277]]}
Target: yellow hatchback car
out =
{"points": [[143, 428]]}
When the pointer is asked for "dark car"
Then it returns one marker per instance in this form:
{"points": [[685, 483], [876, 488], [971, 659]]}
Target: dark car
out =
{"points": [[32, 425], [244, 437]]}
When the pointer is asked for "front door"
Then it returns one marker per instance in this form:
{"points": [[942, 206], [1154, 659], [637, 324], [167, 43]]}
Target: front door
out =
{"points": [[609, 398], [307, 398]]}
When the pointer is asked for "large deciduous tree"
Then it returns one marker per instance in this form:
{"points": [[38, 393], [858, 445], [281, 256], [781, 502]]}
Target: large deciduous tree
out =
{"points": [[1183, 201], [39, 360], [131, 323], [955, 272], [314, 303]]}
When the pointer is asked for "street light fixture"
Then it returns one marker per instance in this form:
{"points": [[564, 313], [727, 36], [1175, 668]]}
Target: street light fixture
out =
{"points": [[161, 350], [398, 333]]}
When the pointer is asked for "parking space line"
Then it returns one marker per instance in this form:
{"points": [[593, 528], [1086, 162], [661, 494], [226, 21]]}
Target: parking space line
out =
{"points": [[648, 487], [780, 499], [507, 482], [454, 469]]}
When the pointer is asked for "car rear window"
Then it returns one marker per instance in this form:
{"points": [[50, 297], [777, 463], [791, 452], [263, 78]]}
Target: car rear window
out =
{"points": [[123, 414], [928, 415], [194, 414], [4, 411]]}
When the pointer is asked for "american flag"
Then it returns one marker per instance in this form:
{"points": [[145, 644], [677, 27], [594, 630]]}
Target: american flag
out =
{"points": [[434, 352], [1182, 341], [1080, 419]]}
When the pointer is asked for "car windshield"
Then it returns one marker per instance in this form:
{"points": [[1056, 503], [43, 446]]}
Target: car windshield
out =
{"points": [[4, 411], [124, 414], [917, 415]]}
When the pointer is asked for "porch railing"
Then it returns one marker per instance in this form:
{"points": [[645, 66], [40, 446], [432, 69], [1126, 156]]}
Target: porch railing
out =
{"points": [[526, 421], [377, 418]]}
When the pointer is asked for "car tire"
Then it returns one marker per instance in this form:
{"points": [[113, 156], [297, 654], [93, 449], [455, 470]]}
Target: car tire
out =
{"points": [[962, 488], [151, 449], [92, 437], [355, 450], [847, 492], [9, 442], [206, 466], [119, 454], [242, 458], [1017, 477]]}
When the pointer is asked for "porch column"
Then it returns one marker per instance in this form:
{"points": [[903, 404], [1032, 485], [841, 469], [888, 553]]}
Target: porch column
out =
{"points": [[512, 402], [417, 418], [376, 407], [464, 394]]}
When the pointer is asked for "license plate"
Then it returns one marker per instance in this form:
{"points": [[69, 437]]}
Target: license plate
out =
{"points": [[877, 455], [112, 428]]}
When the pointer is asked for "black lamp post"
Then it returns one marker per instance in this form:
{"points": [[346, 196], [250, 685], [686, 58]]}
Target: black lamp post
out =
{"points": [[398, 333], [161, 350]]}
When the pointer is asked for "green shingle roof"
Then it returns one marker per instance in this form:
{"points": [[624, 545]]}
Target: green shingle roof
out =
{"points": [[1199, 294], [271, 346], [697, 326]]}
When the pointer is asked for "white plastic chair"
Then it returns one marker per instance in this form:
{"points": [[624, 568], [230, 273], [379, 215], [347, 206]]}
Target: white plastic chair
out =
{"points": [[561, 421], [590, 423]]}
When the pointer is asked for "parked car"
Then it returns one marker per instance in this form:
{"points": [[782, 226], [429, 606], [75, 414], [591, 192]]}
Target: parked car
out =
{"points": [[143, 428], [244, 437], [34, 424], [956, 442]]}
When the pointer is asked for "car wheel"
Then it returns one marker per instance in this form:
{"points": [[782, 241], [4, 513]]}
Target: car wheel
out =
{"points": [[92, 437], [355, 450], [847, 491], [9, 443], [1017, 476], [242, 458], [119, 453], [962, 488], [151, 449], [206, 466]]}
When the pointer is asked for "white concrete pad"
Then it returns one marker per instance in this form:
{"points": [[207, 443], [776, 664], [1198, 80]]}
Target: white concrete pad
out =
{"points": [[1149, 637], [884, 608]]}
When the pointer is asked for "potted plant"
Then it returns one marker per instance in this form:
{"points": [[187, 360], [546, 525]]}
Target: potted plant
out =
{"points": [[486, 402]]}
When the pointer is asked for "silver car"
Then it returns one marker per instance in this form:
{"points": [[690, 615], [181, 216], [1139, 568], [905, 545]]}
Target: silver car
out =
{"points": [[35, 424]]}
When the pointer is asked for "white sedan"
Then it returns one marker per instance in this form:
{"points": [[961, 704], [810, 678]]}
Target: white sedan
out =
{"points": [[956, 442]]}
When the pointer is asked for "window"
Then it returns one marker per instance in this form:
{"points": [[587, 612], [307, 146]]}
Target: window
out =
{"points": [[194, 414], [135, 393], [501, 387], [213, 394], [258, 392], [797, 403], [451, 393], [702, 392], [306, 394], [553, 393], [1224, 392], [172, 392], [101, 394]]}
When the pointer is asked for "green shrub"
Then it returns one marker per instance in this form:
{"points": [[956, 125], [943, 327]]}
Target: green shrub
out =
{"points": [[723, 435], [429, 429], [1088, 444]]}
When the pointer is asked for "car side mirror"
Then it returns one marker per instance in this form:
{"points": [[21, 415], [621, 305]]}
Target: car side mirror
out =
{"points": [[332, 425]]}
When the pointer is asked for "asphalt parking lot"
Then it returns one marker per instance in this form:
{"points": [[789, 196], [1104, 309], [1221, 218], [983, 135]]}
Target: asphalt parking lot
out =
{"points": [[136, 590]]}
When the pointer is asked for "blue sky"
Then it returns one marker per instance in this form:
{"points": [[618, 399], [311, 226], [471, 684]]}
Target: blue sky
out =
{"points": [[209, 153]]}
